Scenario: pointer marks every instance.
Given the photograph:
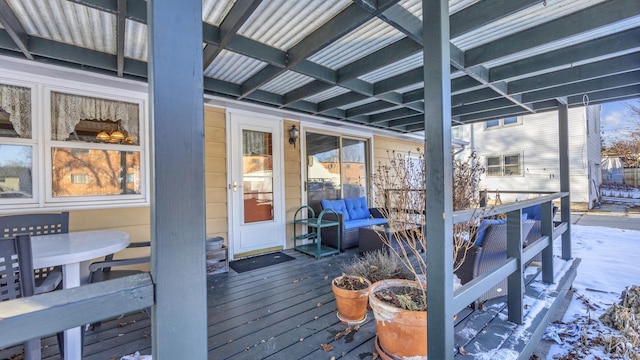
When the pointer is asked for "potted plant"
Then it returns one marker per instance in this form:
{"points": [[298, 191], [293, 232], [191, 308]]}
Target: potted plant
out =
{"points": [[400, 306], [351, 293]]}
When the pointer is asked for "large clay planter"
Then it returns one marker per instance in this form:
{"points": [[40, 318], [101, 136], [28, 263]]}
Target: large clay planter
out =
{"points": [[352, 304], [401, 333]]}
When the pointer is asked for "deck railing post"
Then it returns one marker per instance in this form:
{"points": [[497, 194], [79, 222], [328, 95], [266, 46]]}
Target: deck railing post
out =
{"points": [[546, 229], [565, 181], [515, 281], [439, 180]]}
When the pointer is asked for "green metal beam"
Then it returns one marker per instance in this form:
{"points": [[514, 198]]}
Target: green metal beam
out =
{"points": [[588, 19], [484, 12], [230, 25], [120, 31], [14, 28]]}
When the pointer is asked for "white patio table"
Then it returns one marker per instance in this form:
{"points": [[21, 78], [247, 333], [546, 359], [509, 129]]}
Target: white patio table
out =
{"points": [[73, 251]]}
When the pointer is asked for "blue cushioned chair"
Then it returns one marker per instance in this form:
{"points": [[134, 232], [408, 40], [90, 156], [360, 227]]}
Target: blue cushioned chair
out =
{"points": [[353, 213]]}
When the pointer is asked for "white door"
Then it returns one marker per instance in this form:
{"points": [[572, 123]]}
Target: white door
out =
{"points": [[256, 191]]}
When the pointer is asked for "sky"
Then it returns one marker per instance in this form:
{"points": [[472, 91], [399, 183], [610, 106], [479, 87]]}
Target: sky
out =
{"points": [[615, 118]]}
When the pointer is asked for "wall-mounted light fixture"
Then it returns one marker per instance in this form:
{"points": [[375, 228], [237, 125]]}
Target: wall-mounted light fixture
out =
{"points": [[294, 133]]}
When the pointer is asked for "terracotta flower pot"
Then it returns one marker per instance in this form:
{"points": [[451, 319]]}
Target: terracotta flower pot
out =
{"points": [[401, 333], [352, 304]]}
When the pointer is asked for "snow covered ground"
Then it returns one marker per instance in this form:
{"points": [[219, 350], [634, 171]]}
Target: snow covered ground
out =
{"points": [[623, 193], [610, 259]]}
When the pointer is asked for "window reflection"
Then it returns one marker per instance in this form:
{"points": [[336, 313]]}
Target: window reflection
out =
{"points": [[16, 165], [257, 169], [87, 172]]}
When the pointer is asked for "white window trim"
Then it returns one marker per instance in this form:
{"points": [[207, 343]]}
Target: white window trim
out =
{"points": [[502, 165], [41, 87], [501, 123]]}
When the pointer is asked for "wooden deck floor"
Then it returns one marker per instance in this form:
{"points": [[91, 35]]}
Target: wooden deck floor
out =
{"points": [[284, 311]]}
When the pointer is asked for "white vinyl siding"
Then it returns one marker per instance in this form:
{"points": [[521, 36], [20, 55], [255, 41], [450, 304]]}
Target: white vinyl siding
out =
{"points": [[536, 140]]}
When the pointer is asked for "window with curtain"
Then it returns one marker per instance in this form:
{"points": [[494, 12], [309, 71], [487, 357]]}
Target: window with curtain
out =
{"points": [[81, 149], [110, 164], [16, 145]]}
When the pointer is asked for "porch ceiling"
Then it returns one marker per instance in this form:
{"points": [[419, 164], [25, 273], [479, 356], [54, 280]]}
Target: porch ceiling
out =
{"points": [[360, 61]]}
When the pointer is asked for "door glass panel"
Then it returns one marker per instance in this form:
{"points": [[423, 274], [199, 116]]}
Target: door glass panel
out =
{"points": [[354, 170], [323, 169], [257, 175]]}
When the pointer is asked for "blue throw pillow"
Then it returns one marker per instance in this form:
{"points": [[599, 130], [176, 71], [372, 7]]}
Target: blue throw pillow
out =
{"points": [[482, 229], [533, 212], [357, 208], [337, 205]]}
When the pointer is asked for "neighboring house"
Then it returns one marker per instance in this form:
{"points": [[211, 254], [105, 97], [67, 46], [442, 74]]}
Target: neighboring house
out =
{"points": [[612, 170], [15, 181], [520, 153]]}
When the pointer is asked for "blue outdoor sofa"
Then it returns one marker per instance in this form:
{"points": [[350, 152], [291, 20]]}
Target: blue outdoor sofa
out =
{"points": [[353, 213]]}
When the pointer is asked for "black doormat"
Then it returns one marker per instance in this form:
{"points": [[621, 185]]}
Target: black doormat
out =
{"points": [[260, 261]]}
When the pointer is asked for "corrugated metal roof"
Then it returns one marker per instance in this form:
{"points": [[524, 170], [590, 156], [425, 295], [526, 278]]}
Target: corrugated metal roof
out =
{"points": [[280, 24], [287, 81], [67, 22], [283, 23], [415, 86], [135, 46], [415, 6], [396, 68], [572, 40], [327, 94], [233, 67], [520, 21], [214, 11], [358, 103], [372, 36]]}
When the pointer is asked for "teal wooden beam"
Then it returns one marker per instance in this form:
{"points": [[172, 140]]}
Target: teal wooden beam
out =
{"points": [[439, 178], [48, 313], [179, 317]]}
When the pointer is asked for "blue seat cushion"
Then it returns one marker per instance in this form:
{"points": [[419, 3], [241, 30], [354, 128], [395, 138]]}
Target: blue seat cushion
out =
{"points": [[338, 206], [533, 212], [482, 229], [484, 225], [357, 208], [351, 224]]}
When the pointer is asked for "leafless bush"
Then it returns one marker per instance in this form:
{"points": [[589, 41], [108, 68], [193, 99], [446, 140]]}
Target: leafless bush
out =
{"points": [[400, 184], [377, 265]]}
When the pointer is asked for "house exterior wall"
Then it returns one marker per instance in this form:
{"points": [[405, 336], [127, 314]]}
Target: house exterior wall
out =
{"points": [[536, 141], [384, 149], [292, 179], [215, 176]]}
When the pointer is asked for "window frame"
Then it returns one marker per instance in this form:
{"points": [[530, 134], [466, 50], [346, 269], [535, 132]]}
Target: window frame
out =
{"points": [[50, 144], [33, 142], [501, 124], [503, 166], [41, 144]]}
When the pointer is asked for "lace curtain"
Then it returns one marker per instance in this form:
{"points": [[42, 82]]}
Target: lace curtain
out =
{"points": [[67, 111], [256, 143], [16, 101]]}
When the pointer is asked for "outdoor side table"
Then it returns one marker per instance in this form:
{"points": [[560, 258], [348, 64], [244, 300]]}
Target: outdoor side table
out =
{"points": [[314, 246]]}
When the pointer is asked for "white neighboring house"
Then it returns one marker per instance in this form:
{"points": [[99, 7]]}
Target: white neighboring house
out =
{"points": [[520, 153]]}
